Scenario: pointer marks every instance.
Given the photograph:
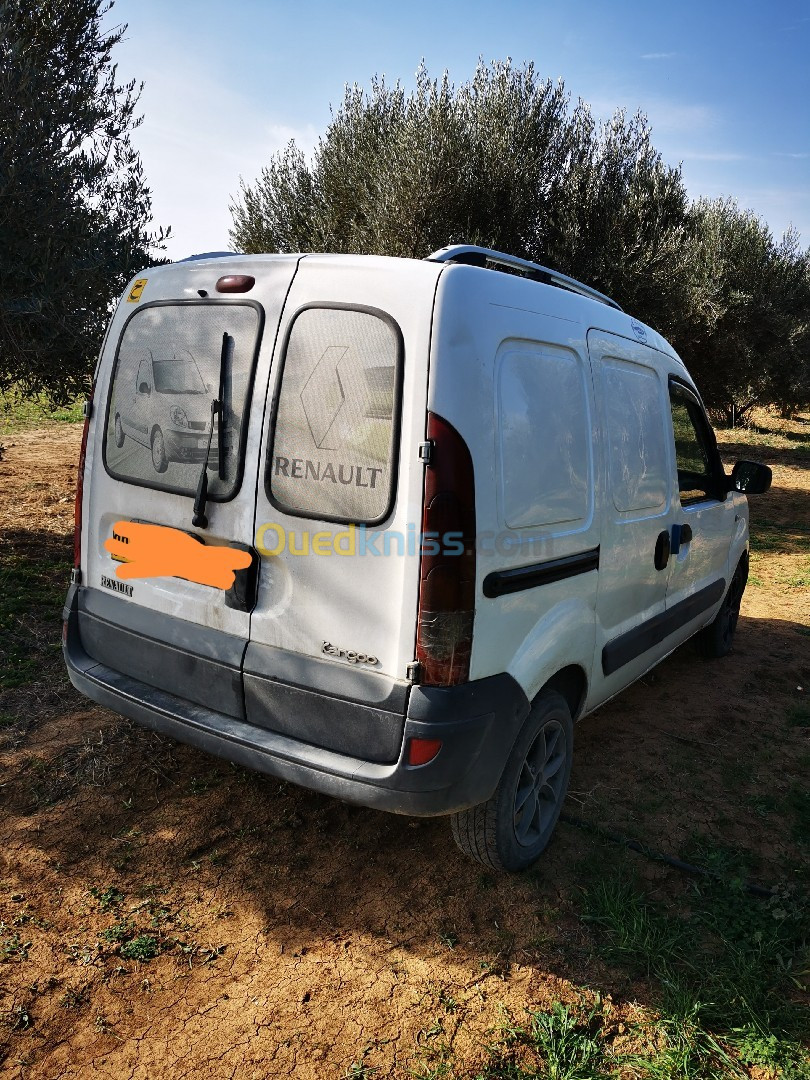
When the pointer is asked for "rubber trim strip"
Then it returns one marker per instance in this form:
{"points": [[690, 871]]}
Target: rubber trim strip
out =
{"points": [[628, 646], [500, 582]]}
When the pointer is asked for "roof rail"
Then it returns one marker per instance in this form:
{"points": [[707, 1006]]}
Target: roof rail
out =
{"points": [[471, 255], [209, 255]]}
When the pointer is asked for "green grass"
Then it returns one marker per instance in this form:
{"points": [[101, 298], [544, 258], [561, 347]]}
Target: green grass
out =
{"points": [[32, 592], [18, 411], [143, 947], [722, 975], [768, 538], [563, 1043], [798, 580]]}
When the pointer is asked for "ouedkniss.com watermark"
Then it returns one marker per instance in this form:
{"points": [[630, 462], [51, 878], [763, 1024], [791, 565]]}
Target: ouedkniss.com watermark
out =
{"points": [[273, 539]]}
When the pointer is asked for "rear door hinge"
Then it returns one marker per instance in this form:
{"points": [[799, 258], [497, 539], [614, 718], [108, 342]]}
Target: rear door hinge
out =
{"points": [[75, 576], [426, 452], [87, 408], [413, 671]]}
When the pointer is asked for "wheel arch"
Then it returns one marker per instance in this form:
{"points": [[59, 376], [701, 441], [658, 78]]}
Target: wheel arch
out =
{"points": [[571, 683]]}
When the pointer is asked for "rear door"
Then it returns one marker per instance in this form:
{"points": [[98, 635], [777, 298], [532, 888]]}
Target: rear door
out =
{"points": [[340, 488], [149, 447]]}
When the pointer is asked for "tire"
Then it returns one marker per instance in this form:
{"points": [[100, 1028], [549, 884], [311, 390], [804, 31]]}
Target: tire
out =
{"points": [[498, 833], [159, 459], [119, 432], [717, 639]]}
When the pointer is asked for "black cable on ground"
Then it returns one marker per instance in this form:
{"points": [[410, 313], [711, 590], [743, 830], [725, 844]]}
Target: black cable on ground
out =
{"points": [[658, 856]]}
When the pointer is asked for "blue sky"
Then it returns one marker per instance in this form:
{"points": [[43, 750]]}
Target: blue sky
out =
{"points": [[726, 85]]}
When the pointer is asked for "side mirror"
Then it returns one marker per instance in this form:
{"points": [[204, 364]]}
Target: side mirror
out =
{"points": [[750, 477], [144, 388]]}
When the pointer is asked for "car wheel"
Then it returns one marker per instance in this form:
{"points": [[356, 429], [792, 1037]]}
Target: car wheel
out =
{"points": [[159, 459], [717, 638], [512, 829], [119, 432]]}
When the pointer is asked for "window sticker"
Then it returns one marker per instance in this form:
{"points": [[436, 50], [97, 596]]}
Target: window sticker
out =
{"points": [[173, 361], [333, 451]]}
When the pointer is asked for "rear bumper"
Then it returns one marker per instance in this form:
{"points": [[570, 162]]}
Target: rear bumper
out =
{"points": [[476, 722]]}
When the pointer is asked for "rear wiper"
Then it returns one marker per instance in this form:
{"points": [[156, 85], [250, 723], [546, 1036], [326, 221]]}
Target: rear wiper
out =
{"points": [[199, 520]]}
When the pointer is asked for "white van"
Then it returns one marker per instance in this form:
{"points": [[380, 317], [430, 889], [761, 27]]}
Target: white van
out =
{"points": [[478, 500]]}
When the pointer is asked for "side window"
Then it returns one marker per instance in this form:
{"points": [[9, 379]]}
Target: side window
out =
{"points": [[695, 448], [544, 427], [333, 450], [143, 381], [637, 455], [173, 359]]}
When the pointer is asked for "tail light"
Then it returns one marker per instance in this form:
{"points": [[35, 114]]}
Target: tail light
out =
{"points": [[421, 751], [77, 511], [447, 572]]}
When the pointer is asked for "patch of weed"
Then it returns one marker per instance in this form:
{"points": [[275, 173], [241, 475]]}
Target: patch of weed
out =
{"points": [[31, 593], [563, 1043], [119, 932], [719, 976], [19, 410], [13, 947], [107, 898], [143, 947]]}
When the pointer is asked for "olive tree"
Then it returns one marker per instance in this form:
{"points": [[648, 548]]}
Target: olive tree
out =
{"points": [[508, 161], [74, 206], [748, 339]]}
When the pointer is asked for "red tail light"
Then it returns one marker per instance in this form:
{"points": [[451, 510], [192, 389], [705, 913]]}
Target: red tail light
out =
{"points": [[77, 511], [421, 751], [447, 573]]}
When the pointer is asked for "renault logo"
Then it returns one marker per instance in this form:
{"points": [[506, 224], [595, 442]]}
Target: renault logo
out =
{"points": [[323, 398]]}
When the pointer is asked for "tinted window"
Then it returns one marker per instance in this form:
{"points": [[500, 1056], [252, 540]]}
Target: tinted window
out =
{"points": [[167, 371], [333, 449]]}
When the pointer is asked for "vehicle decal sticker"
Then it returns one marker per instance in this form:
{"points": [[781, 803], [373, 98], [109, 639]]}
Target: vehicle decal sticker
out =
{"points": [[136, 290]]}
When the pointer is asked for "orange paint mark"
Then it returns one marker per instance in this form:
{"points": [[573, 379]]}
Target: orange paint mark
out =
{"points": [[159, 551]]}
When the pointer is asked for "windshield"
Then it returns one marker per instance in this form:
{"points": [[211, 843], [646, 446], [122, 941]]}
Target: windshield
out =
{"points": [[178, 376]]}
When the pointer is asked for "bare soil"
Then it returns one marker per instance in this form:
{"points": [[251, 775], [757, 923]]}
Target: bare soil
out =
{"points": [[294, 935]]}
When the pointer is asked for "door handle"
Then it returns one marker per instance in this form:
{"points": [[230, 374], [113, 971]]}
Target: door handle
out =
{"points": [[662, 550], [681, 534]]}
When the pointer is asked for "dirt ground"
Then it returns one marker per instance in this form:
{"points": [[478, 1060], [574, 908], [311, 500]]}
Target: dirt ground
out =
{"points": [[295, 935]]}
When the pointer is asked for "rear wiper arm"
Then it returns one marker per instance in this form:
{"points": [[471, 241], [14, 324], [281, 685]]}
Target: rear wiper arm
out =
{"points": [[199, 520]]}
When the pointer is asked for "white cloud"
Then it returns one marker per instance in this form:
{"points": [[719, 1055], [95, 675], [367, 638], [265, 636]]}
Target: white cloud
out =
{"points": [[666, 115], [675, 117]]}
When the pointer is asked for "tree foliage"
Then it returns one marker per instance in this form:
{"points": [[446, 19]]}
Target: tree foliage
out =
{"points": [[74, 207], [508, 161]]}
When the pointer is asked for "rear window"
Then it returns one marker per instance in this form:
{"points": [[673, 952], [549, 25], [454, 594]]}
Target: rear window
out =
{"points": [[333, 452], [173, 359]]}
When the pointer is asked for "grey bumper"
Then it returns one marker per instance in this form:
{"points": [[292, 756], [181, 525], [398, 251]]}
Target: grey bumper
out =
{"points": [[477, 723]]}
